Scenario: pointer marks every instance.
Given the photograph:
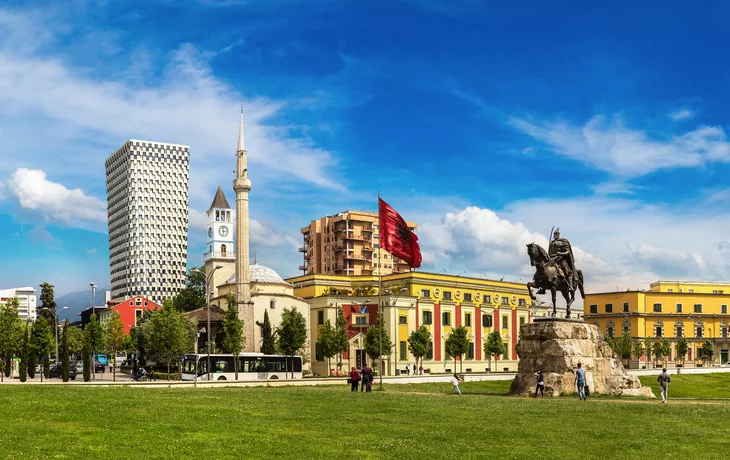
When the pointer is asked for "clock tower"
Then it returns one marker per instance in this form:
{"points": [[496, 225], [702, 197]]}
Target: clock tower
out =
{"points": [[219, 250]]}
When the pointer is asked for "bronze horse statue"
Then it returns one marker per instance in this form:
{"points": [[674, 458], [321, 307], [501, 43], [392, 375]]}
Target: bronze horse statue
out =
{"points": [[549, 277]]}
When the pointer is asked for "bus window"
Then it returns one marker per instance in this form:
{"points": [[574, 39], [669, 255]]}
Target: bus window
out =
{"points": [[222, 365]]}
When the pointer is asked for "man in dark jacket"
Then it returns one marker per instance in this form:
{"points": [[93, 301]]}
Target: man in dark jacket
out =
{"points": [[367, 378], [663, 380]]}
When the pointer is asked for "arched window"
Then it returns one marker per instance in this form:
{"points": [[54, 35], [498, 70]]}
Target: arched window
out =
{"points": [[626, 327], [610, 328], [272, 303], [699, 329], [678, 329], [659, 329], [223, 250], [723, 329]]}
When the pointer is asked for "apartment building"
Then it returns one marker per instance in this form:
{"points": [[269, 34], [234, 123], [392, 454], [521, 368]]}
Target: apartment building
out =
{"points": [[347, 244], [27, 298]]}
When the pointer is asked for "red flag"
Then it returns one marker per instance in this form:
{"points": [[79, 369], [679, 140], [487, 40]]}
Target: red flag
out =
{"points": [[396, 237]]}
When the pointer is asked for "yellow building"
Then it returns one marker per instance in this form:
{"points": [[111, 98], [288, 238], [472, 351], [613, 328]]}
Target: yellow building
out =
{"points": [[347, 244], [411, 299], [668, 310]]}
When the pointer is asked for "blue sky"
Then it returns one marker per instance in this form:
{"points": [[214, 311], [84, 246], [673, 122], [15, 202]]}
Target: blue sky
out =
{"points": [[487, 125]]}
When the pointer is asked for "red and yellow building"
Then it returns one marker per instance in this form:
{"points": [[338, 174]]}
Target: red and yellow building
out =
{"points": [[130, 310], [439, 302]]}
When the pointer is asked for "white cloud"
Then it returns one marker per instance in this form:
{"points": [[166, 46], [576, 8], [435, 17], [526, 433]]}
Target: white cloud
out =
{"points": [[618, 243], [93, 114], [669, 262], [91, 251], [611, 146], [681, 114], [259, 233], [54, 201]]}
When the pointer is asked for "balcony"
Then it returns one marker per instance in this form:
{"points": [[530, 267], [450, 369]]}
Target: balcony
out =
{"points": [[340, 247], [367, 248], [219, 255], [303, 268], [367, 229], [355, 257], [302, 249], [356, 237]]}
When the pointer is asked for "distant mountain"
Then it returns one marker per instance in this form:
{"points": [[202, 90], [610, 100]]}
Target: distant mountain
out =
{"points": [[79, 301]]}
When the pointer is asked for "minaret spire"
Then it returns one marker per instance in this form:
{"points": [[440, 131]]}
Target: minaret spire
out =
{"points": [[242, 185], [240, 133]]}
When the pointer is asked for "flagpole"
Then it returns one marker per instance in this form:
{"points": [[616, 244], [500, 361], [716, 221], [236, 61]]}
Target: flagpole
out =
{"points": [[380, 297]]}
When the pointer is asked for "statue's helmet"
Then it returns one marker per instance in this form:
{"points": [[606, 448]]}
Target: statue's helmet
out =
{"points": [[556, 234]]}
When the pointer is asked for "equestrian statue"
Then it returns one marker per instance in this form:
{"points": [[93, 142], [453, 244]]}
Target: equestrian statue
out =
{"points": [[555, 271]]}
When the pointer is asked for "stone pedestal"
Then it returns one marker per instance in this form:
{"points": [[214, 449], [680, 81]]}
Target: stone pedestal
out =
{"points": [[556, 346]]}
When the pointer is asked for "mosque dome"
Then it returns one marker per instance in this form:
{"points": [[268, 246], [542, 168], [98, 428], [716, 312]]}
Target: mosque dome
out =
{"points": [[261, 274]]}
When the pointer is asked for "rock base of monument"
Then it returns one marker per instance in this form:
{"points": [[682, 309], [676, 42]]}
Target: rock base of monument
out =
{"points": [[556, 347]]}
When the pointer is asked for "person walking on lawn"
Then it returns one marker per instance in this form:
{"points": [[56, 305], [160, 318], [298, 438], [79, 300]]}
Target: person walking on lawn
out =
{"points": [[354, 377], [367, 379], [455, 382], [663, 380], [580, 382], [540, 385]]}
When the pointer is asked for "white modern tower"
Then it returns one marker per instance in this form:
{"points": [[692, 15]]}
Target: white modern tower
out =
{"points": [[147, 206], [242, 185]]}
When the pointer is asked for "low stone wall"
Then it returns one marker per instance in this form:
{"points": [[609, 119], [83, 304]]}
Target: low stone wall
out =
{"points": [[556, 347]]}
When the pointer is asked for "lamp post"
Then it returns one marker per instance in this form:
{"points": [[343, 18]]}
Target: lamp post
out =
{"points": [[392, 304], [209, 277], [55, 319]]}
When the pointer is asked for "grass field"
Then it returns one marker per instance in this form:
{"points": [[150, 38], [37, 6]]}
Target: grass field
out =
{"points": [[693, 386], [407, 421]]}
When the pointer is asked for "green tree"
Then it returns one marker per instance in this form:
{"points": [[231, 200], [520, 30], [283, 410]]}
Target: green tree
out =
{"points": [[291, 333], [377, 341], [49, 303], [75, 340], [682, 347], [94, 341], [622, 346], [23, 367], [268, 343], [418, 344], [343, 340], [327, 343], [193, 296], [661, 348], [32, 351], [649, 348], [169, 335], [65, 353], [233, 340], [113, 335], [494, 346], [11, 332], [638, 349], [44, 343], [86, 361], [707, 350], [457, 344]]}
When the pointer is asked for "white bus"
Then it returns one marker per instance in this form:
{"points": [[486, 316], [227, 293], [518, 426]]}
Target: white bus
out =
{"points": [[251, 366]]}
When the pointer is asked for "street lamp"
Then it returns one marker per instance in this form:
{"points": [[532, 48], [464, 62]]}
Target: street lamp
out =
{"points": [[208, 277], [93, 360], [55, 318]]}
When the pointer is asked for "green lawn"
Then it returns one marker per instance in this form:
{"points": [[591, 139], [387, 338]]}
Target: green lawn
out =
{"points": [[330, 422], [694, 386]]}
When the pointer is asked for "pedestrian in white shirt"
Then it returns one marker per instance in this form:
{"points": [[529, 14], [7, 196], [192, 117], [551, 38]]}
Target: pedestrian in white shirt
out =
{"points": [[455, 382]]}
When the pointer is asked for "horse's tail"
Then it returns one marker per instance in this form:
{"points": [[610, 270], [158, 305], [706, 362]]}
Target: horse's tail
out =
{"points": [[580, 284]]}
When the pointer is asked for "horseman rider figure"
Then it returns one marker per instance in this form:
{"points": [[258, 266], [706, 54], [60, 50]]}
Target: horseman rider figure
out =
{"points": [[561, 252]]}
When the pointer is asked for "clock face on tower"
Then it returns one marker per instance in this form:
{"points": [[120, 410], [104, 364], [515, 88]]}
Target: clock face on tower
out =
{"points": [[223, 231]]}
